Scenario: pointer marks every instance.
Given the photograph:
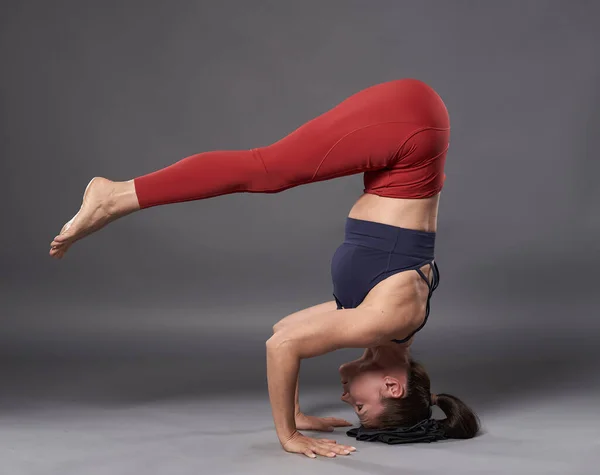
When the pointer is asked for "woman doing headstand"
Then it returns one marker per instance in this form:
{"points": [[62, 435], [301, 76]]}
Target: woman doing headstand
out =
{"points": [[384, 272]]}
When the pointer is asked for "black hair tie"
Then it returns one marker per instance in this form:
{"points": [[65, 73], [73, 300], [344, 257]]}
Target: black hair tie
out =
{"points": [[428, 430]]}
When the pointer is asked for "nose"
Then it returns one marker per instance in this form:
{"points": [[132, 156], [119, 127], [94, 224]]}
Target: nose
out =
{"points": [[345, 372], [345, 394]]}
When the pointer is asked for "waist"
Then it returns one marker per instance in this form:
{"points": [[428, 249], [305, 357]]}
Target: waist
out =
{"points": [[419, 214], [388, 238]]}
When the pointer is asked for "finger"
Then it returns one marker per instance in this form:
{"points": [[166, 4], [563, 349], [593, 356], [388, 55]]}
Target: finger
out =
{"points": [[310, 453], [332, 449], [336, 446], [319, 426], [340, 449], [331, 441], [323, 450], [323, 426], [323, 429], [337, 422]]}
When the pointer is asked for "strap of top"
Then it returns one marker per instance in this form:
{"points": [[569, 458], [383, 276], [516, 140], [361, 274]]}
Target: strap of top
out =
{"points": [[432, 286]]}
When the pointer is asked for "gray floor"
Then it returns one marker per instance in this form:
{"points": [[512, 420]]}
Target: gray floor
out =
{"points": [[221, 435], [100, 400]]}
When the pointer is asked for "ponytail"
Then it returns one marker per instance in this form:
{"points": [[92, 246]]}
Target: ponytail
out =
{"points": [[460, 422], [408, 419]]}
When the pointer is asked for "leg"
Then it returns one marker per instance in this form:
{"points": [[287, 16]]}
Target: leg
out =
{"points": [[363, 133]]}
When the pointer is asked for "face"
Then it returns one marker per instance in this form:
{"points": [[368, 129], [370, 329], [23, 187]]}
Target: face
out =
{"points": [[366, 381], [363, 384]]}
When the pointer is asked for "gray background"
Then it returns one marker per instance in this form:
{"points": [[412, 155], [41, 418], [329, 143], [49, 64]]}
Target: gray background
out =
{"points": [[143, 350]]}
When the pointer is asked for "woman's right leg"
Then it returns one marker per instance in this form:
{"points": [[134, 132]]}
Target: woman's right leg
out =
{"points": [[362, 133]]}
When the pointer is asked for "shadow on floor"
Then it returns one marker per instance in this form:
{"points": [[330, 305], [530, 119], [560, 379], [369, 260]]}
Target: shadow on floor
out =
{"points": [[486, 370]]}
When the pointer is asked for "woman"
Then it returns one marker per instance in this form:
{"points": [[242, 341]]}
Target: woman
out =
{"points": [[396, 133]]}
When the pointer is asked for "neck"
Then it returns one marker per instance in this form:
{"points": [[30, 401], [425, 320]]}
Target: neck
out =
{"points": [[389, 355]]}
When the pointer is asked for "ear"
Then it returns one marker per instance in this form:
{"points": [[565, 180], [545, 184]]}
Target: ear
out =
{"points": [[393, 387]]}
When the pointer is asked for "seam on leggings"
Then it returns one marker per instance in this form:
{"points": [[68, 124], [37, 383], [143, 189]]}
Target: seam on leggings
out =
{"points": [[365, 127], [340, 174], [418, 131], [258, 154]]}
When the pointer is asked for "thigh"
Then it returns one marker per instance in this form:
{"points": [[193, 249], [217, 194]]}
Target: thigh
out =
{"points": [[364, 132], [302, 315]]}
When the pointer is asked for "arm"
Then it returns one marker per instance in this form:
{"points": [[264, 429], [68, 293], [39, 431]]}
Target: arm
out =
{"points": [[300, 317], [319, 334], [282, 375], [304, 421], [297, 398]]}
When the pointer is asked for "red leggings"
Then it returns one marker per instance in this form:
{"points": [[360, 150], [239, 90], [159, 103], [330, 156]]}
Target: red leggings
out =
{"points": [[396, 133]]}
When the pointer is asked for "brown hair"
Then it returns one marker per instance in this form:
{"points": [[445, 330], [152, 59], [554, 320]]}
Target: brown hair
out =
{"points": [[460, 422]]}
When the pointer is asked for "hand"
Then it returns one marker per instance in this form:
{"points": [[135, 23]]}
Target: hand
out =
{"points": [[324, 424], [300, 444]]}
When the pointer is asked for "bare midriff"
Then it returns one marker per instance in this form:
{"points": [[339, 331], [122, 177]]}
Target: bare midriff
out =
{"points": [[420, 214]]}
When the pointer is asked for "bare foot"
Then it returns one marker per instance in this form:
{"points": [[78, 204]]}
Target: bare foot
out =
{"points": [[103, 202]]}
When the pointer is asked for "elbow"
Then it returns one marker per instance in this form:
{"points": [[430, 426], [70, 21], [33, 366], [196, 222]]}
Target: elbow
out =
{"points": [[277, 327], [279, 341]]}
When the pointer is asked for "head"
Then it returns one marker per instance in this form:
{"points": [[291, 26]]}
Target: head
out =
{"points": [[389, 389]]}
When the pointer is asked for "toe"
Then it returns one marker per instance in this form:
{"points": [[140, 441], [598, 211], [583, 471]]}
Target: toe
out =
{"points": [[58, 251], [63, 236]]}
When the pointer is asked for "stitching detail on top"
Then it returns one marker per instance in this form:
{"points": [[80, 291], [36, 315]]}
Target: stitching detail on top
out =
{"points": [[391, 253]]}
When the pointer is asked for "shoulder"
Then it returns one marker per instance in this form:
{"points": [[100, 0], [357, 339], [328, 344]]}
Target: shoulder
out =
{"points": [[400, 301]]}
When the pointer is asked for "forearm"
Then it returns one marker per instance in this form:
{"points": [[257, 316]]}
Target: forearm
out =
{"points": [[297, 403], [283, 366]]}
